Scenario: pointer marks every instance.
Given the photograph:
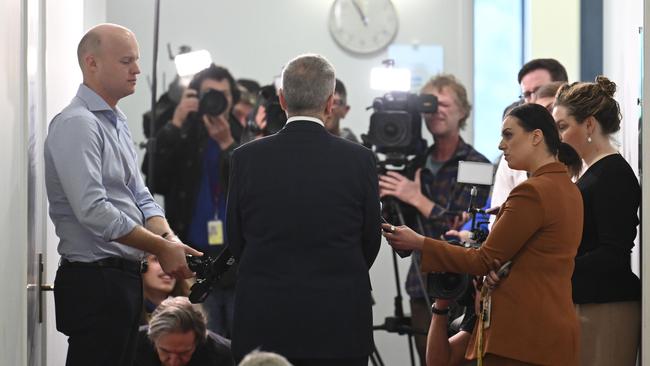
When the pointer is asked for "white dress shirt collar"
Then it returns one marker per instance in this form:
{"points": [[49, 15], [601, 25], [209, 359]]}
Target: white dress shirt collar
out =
{"points": [[305, 118]]}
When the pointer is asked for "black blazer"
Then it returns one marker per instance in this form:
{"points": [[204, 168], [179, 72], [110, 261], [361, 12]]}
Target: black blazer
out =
{"points": [[303, 221]]}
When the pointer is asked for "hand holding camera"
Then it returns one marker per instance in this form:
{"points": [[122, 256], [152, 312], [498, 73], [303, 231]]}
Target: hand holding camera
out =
{"points": [[189, 103], [219, 130]]}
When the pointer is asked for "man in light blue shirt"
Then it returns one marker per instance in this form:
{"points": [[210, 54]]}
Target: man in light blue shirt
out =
{"points": [[105, 217]]}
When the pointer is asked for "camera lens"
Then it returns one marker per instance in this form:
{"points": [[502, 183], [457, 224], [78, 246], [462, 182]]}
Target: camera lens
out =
{"points": [[212, 103]]}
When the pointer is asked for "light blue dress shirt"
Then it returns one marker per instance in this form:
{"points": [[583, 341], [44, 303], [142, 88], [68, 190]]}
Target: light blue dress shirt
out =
{"points": [[94, 187]]}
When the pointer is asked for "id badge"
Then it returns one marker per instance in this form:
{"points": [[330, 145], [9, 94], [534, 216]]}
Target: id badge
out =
{"points": [[487, 311], [215, 232]]}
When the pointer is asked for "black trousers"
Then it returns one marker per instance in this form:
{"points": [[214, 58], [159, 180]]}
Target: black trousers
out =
{"points": [[98, 309]]}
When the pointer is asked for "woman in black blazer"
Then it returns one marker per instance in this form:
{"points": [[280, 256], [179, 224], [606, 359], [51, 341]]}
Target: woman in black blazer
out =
{"points": [[605, 290]]}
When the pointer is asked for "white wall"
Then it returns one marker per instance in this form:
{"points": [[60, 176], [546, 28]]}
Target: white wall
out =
{"points": [[65, 26], [554, 31], [276, 32], [13, 185], [254, 39], [622, 52]]}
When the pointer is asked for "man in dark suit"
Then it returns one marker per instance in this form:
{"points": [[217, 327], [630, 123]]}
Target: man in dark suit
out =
{"points": [[303, 221]]}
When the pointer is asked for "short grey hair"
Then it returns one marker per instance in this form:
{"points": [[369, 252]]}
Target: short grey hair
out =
{"points": [[307, 81], [177, 315], [257, 358]]}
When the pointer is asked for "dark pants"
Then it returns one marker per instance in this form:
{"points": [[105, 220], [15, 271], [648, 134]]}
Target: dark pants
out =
{"points": [[420, 320], [98, 309], [331, 362]]}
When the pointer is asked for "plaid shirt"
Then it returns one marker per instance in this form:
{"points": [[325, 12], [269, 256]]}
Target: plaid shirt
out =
{"points": [[449, 200]]}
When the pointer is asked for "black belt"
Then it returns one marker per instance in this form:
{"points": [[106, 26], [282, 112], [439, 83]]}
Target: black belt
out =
{"points": [[110, 262]]}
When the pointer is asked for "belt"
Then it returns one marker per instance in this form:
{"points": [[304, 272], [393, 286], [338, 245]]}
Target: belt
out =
{"points": [[110, 262]]}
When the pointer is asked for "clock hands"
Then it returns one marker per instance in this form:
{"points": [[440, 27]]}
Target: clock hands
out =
{"points": [[364, 19]]}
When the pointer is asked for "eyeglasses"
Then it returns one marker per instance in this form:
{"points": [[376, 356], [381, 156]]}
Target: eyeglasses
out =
{"points": [[529, 95]]}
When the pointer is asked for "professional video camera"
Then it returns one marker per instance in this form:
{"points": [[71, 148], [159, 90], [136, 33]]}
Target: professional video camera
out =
{"points": [[209, 270], [395, 131], [448, 285], [276, 118]]}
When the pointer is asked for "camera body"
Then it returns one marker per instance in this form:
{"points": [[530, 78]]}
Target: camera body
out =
{"points": [[208, 269], [276, 118], [396, 124]]}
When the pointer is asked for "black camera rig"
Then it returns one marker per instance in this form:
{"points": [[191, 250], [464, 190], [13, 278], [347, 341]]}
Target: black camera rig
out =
{"points": [[208, 269]]}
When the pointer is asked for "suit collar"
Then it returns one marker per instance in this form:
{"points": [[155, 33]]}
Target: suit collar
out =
{"points": [[555, 167]]}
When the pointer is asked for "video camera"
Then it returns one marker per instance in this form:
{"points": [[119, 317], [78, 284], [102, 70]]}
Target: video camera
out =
{"points": [[449, 285], [396, 128], [209, 270]]}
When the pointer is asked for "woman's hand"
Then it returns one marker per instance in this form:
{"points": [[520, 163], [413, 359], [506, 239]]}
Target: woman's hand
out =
{"points": [[402, 237]]}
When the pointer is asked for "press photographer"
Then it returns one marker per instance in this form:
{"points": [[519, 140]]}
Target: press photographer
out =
{"points": [[433, 192], [191, 160]]}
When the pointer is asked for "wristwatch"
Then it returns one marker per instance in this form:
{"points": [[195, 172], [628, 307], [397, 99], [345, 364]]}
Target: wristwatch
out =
{"points": [[437, 311]]}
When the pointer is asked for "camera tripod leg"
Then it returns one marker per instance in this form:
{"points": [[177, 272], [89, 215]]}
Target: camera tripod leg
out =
{"points": [[375, 358], [411, 346]]}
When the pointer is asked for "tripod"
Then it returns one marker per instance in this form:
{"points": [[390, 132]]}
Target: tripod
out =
{"points": [[398, 323]]}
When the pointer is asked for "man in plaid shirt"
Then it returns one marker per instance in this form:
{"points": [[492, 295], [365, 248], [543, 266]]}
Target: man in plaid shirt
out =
{"points": [[434, 192]]}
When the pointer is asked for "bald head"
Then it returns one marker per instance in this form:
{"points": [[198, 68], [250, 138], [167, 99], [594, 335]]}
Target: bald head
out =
{"points": [[108, 56], [95, 40]]}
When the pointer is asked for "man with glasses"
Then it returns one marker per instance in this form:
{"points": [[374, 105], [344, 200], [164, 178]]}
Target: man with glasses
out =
{"points": [[536, 73], [339, 111], [533, 75]]}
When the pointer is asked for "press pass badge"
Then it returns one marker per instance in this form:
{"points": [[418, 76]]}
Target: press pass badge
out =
{"points": [[215, 232]]}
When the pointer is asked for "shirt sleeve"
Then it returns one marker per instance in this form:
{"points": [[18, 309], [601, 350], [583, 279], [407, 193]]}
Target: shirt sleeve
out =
{"points": [[75, 146]]}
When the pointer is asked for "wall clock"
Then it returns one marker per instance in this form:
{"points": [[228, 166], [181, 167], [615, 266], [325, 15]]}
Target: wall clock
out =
{"points": [[363, 26]]}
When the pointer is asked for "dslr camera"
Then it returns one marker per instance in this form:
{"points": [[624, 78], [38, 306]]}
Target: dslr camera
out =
{"points": [[212, 103]]}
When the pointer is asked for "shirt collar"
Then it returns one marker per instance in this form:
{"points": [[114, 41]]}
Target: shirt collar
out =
{"points": [[96, 103], [305, 118]]}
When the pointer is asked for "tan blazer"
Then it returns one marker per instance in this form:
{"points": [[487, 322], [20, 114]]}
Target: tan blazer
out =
{"points": [[539, 228]]}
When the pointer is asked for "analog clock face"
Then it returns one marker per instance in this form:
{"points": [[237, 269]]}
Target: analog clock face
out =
{"points": [[363, 26]]}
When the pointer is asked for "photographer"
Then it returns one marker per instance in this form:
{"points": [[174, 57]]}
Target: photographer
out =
{"points": [[191, 171], [435, 194], [339, 111]]}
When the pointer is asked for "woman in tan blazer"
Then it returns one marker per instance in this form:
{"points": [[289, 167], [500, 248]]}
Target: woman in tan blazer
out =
{"points": [[532, 320]]}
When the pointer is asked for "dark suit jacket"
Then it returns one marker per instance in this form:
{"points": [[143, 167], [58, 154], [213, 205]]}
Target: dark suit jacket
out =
{"points": [[539, 229], [303, 221]]}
